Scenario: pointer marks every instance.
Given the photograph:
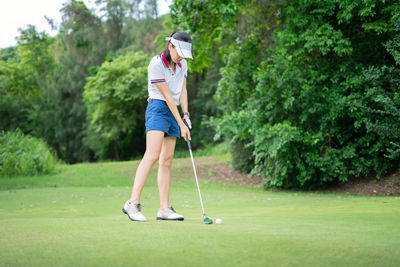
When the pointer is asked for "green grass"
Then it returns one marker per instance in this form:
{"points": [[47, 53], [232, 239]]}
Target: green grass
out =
{"points": [[205, 150], [74, 218]]}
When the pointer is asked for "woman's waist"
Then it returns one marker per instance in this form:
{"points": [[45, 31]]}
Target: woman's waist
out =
{"points": [[155, 99]]}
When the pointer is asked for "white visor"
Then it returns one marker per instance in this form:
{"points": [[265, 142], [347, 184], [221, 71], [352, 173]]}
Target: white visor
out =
{"points": [[184, 48]]}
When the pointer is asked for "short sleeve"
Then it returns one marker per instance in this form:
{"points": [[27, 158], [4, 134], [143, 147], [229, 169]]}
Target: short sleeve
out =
{"points": [[155, 72]]}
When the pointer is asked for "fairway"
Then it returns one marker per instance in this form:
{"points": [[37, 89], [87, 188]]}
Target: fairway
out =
{"points": [[74, 218]]}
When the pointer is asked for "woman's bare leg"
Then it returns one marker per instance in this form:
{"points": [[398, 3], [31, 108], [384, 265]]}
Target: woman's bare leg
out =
{"points": [[164, 170], [154, 142]]}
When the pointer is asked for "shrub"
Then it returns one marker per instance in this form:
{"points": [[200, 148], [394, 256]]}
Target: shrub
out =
{"points": [[312, 86], [242, 155], [24, 155], [326, 103], [116, 103]]}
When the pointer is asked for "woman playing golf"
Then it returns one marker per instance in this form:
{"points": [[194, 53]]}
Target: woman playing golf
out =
{"points": [[167, 74]]}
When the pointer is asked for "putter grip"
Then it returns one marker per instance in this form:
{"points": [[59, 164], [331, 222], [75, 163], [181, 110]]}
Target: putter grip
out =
{"points": [[184, 121], [187, 139]]}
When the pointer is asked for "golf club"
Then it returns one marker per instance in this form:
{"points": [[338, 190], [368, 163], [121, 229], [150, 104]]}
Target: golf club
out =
{"points": [[206, 219]]}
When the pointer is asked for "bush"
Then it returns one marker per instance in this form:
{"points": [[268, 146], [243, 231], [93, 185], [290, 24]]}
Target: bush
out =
{"points": [[116, 103], [24, 155], [326, 104], [327, 108], [242, 155]]}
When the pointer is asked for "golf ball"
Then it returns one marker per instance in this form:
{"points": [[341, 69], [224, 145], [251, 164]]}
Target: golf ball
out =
{"points": [[218, 221]]}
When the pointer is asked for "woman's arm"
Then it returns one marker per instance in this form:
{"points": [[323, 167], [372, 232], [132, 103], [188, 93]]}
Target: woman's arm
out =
{"points": [[183, 100], [163, 88]]}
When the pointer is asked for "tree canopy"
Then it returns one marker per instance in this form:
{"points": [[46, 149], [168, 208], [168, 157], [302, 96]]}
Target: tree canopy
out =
{"points": [[309, 89], [306, 92]]}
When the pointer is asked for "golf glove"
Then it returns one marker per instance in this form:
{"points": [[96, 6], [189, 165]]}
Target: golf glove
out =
{"points": [[188, 123]]}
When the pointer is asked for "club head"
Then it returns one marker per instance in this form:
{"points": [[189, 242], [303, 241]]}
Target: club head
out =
{"points": [[208, 220]]}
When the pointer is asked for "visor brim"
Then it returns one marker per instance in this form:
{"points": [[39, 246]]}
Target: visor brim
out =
{"points": [[184, 48], [185, 53]]}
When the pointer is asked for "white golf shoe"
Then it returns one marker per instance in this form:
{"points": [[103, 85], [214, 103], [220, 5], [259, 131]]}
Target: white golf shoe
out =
{"points": [[134, 211], [169, 214]]}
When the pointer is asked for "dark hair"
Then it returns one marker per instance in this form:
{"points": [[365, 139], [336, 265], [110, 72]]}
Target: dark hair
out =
{"points": [[180, 36]]}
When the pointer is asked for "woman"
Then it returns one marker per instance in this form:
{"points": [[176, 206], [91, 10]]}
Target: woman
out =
{"points": [[167, 74]]}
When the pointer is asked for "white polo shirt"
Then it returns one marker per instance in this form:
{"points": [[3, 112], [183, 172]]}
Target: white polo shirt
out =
{"points": [[159, 71]]}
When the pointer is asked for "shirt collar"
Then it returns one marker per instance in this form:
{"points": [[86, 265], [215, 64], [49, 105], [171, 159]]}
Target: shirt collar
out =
{"points": [[165, 61]]}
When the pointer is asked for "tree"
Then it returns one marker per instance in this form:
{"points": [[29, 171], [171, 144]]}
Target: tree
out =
{"points": [[28, 94], [116, 102], [81, 45], [309, 87]]}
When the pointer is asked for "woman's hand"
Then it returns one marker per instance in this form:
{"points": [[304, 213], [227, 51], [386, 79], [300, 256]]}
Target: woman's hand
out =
{"points": [[187, 122], [185, 132]]}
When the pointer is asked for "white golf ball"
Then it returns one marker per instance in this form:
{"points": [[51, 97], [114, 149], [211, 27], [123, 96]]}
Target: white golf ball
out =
{"points": [[218, 221]]}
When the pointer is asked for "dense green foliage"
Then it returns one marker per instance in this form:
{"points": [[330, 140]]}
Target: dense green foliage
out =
{"points": [[27, 79], [116, 104], [42, 80], [24, 155], [82, 44], [312, 87], [306, 91]]}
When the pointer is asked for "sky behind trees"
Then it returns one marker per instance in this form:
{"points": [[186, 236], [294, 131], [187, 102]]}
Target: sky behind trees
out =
{"points": [[19, 13]]}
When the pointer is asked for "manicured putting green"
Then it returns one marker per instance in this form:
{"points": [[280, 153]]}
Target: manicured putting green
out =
{"points": [[82, 224]]}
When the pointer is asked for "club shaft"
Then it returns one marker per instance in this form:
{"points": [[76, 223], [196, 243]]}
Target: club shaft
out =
{"points": [[195, 176]]}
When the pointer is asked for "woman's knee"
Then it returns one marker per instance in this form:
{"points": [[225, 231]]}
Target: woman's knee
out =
{"points": [[151, 157], [166, 160]]}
